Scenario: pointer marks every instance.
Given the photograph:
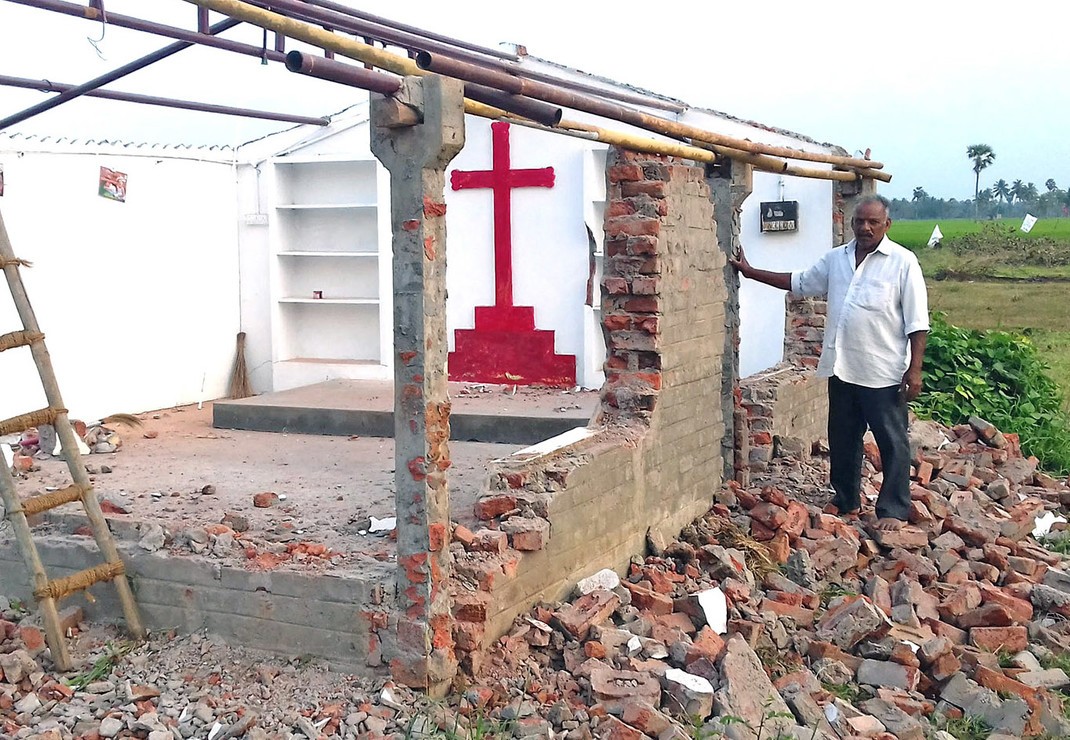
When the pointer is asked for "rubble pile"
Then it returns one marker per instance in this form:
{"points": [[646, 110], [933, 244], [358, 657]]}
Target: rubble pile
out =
{"points": [[770, 616], [42, 443]]}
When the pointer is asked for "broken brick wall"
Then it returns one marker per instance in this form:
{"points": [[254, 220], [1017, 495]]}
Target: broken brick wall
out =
{"points": [[787, 411], [652, 459]]}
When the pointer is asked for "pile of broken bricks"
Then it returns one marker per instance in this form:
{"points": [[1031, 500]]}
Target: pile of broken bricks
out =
{"points": [[770, 617]]}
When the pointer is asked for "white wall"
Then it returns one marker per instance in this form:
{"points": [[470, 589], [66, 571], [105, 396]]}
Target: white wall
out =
{"points": [[762, 312], [138, 300]]}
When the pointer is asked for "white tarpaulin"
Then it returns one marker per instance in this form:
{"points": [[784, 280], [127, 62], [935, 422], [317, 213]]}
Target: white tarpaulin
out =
{"points": [[1028, 222]]}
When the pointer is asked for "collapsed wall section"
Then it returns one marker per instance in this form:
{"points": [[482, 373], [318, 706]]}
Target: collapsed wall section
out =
{"points": [[652, 459]]}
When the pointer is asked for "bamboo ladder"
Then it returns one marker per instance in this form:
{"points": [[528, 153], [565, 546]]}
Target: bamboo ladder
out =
{"points": [[48, 592]]}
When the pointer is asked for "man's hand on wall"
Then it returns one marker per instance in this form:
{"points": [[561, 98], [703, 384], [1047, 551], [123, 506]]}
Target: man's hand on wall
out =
{"points": [[739, 261]]}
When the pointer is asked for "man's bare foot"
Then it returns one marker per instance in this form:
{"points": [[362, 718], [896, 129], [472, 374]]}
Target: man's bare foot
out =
{"points": [[887, 524]]}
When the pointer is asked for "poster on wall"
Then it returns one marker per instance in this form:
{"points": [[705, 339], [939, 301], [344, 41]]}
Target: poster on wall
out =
{"points": [[112, 185]]}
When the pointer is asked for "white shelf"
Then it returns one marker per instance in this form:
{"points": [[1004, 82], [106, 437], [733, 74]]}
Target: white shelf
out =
{"points": [[325, 206], [334, 301], [310, 253]]}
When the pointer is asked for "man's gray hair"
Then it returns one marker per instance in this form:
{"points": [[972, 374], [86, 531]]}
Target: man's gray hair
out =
{"points": [[879, 200]]}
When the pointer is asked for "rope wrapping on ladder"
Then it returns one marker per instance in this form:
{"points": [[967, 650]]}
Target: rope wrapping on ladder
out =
{"points": [[32, 419], [16, 261], [19, 339], [80, 581], [48, 501]]}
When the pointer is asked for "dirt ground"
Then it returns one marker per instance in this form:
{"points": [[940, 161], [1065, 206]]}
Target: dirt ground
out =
{"points": [[180, 472]]}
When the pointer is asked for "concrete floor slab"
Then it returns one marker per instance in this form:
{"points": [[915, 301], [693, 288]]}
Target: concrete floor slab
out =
{"points": [[481, 413]]}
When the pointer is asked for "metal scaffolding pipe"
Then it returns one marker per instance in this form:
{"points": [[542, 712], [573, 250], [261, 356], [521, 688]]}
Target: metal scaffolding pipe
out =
{"points": [[475, 73], [111, 76], [49, 86], [403, 66], [394, 25], [158, 29], [346, 19], [342, 73], [348, 74]]}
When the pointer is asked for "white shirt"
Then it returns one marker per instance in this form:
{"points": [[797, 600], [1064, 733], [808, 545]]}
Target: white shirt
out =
{"points": [[871, 312]]}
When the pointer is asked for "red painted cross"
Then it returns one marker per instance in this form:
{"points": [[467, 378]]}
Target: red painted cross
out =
{"points": [[501, 180]]}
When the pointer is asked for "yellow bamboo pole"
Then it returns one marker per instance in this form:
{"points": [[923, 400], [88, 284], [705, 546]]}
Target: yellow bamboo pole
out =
{"points": [[403, 66]]}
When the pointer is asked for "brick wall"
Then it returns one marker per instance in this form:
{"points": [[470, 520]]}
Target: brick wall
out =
{"points": [[652, 458], [787, 410]]}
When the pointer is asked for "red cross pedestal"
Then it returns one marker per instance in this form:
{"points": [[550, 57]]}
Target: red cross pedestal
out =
{"points": [[505, 346]]}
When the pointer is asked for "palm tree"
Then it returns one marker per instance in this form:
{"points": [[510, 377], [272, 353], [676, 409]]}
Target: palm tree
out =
{"points": [[1050, 185], [982, 156], [919, 194], [1002, 190], [1018, 191]]}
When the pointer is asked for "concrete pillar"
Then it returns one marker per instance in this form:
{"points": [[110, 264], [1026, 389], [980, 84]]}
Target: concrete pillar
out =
{"points": [[415, 134], [730, 184], [845, 196]]}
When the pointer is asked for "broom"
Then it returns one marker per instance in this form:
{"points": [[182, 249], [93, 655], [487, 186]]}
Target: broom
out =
{"points": [[239, 378]]}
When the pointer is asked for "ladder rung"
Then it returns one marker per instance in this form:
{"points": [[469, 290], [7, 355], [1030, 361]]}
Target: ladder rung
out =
{"points": [[19, 339], [47, 501], [80, 581], [32, 419]]}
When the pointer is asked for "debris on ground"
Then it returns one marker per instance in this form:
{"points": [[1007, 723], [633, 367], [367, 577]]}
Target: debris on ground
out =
{"points": [[765, 618]]}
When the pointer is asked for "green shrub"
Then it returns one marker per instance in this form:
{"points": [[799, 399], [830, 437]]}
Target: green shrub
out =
{"points": [[998, 376]]}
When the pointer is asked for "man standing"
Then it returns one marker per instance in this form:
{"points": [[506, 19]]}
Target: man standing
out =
{"points": [[875, 334]]}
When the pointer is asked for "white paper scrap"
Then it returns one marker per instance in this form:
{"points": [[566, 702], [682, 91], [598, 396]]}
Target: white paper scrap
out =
{"points": [[715, 606], [694, 683], [1044, 521], [1028, 223], [9, 455], [383, 525]]}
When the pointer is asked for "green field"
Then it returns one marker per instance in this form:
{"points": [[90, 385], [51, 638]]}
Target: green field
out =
{"points": [[1040, 309], [915, 234]]}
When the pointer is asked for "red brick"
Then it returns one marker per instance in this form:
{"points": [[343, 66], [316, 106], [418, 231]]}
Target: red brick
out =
{"points": [[995, 639], [647, 599], [989, 615], [33, 639], [624, 173], [653, 188], [494, 506], [803, 617], [632, 226], [770, 515], [780, 547], [490, 540], [578, 617], [944, 667], [1020, 610], [798, 519], [708, 644], [612, 728], [463, 535]]}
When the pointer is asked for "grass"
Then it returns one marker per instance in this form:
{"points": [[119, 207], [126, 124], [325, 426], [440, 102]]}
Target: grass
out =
{"points": [[968, 728], [915, 234], [1036, 309]]}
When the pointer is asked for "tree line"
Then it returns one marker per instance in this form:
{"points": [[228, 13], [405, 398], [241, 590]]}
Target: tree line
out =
{"points": [[1001, 199]]}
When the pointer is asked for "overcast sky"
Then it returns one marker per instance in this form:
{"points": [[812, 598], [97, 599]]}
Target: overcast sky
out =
{"points": [[917, 82]]}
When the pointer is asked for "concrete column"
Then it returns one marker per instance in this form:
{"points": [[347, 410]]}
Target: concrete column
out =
{"points": [[845, 196], [730, 184], [415, 134]]}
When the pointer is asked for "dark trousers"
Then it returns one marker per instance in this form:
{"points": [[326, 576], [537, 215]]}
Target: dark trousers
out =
{"points": [[851, 409]]}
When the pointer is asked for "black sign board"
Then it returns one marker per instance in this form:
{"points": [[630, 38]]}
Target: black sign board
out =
{"points": [[780, 216]]}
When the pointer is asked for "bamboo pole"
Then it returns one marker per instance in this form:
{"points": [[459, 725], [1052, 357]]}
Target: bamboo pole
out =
{"points": [[404, 66]]}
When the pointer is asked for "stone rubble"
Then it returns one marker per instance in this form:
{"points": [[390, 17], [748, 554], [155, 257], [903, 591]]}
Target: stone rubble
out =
{"points": [[766, 618]]}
